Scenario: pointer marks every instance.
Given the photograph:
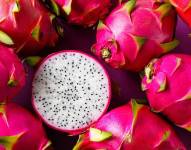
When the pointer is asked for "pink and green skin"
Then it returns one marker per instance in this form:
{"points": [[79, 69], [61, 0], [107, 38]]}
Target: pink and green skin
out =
{"points": [[20, 130], [26, 26], [126, 40], [167, 83], [183, 8], [12, 74], [82, 12], [130, 127]]}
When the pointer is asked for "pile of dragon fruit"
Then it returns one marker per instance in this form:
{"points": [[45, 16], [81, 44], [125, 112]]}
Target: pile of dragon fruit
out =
{"points": [[95, 75]]}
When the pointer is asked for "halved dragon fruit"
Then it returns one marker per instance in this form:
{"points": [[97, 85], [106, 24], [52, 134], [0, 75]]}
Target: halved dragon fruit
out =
{"points": [[134, 33], [12, 74], [20, 130], [70, 91], [183, 8], [167, 83], [26, 26], [130, 127], [81, 12]]}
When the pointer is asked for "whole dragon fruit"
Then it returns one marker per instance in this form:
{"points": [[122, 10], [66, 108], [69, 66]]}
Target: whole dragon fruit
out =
{"points": [[134, 33], [130, 127], [183, 8], [19, 130], [81, 12], [12, 74], [26, 26], [167, 83], [70, 91]]}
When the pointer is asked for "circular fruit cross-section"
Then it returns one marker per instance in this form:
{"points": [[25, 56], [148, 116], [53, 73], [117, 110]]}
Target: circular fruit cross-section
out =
{"points": [[71, 90]]}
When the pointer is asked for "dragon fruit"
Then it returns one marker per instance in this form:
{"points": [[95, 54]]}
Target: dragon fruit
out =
{"points": [[12, 76], [130, 127], [81, 12], [184, 9], [70, 91], [19, 130], [134, 33], [168, 86], [26, 26]]}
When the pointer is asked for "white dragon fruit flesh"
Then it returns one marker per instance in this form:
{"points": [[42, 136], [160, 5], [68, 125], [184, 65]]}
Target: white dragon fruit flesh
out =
{"points": [[71, 91]]}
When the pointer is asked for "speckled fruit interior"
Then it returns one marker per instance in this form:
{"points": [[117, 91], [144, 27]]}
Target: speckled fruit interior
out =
{"points": [[71, 90]]}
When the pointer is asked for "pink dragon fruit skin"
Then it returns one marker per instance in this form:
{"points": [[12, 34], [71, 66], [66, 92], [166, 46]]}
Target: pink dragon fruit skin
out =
{"points": [[84, 12], [168, 87], [12, 77], [134, 33], [124, 128], [19, 130], [183, 8], [26, 26]]}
